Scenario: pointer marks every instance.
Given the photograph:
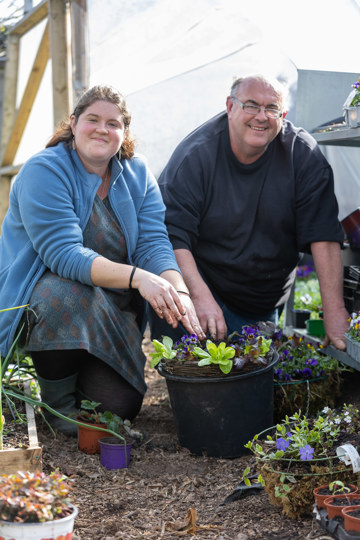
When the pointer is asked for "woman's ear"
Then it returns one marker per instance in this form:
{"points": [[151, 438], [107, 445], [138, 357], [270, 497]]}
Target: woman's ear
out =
{"points": [[72, 123]]}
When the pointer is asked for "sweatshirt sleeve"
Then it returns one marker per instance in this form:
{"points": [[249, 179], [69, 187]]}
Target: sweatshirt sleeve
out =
{"points": [[45, 202]]}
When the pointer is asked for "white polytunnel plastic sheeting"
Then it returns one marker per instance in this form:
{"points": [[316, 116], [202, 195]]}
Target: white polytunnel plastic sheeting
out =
{"points": [[175, 61]]}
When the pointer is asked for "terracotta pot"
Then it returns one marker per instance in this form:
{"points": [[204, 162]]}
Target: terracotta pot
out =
{"points": [[88, 438], [58, 529], [333, 504], [351, 523], [320, 497]]}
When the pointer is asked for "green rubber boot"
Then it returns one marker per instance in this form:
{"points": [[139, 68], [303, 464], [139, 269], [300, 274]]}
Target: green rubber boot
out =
{"points": [[60, 395]]}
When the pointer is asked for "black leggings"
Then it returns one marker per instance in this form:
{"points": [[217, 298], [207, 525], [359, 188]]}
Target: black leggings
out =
{"points": [[96, 380]]}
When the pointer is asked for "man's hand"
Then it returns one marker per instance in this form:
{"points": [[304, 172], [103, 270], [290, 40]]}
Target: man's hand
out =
{"points": [[211, 317], [336, 323]]}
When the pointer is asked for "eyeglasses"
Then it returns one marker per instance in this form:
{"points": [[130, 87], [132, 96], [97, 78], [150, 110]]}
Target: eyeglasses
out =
{"points": [[255, 109]]}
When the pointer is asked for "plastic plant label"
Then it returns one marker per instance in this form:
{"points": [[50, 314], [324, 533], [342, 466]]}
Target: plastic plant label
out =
{"points": [[349, 455]]}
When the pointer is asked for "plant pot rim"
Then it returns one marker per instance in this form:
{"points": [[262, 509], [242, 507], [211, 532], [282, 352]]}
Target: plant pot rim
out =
{"points": [[330, 499], [115, 441], [229, 377], [350, 508], [295, 461], [348, 484], [71, 516], [89, 424]]}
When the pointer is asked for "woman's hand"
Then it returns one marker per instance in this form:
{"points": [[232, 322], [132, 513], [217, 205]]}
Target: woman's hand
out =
{"points": [[167, 303], [190, 321], [161, 295]]}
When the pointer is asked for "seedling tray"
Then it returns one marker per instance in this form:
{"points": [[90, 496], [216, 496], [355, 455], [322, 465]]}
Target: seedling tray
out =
{"points": [[334, 526]]}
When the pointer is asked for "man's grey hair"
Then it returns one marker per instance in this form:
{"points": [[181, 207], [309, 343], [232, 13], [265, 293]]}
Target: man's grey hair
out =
{"points": [[280, 88]]}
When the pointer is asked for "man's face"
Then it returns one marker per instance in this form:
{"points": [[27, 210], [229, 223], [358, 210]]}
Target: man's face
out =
{"points": [[250, 135]]}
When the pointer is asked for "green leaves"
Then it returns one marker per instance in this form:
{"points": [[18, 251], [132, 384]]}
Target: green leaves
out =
{"points": [[163, 350], [262, 347], [214, 354]]}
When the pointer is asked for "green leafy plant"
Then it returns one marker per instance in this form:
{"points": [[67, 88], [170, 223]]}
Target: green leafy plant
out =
{"points": [[238, 349], [163, 349], [34, 497], [220, 355], [355, 102], [302, 438], [248, 481], [354, 329], [307, 294], [250, 346], [7, 372], [113, 422], [299, 359], [338, 487]]}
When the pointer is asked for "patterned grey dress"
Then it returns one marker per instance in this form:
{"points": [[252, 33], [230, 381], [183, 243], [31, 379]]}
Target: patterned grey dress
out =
{"points": [[70, 315]]}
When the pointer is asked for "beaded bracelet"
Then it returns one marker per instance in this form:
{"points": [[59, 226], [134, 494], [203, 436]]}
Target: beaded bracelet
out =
{"points": [[131, 276]]}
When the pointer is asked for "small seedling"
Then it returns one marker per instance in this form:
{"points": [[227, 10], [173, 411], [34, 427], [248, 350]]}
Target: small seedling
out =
{"points": [[337, 486]]}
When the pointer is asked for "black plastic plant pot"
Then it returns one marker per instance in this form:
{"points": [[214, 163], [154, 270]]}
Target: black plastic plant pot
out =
{"points": [[217, 416], [299, 317]]}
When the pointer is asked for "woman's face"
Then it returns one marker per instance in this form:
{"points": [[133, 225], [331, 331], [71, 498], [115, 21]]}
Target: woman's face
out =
{"points": [[98, 134]]}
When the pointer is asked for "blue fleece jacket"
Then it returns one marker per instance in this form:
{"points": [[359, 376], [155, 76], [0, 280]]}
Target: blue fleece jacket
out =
{"points": [[50, 204]]}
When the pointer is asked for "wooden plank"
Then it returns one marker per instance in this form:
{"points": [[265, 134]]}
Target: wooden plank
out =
{"points": [[33, 439], [31, 19], [59, 60], [79, 48], [4, 196], [10, 90], [28, 99], [28, 458], [13, 460], [10, 170]]}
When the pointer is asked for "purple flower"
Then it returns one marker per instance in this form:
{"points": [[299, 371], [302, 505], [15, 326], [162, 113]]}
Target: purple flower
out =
{"points": [[250, 331], [289, 435], [307, 373], [277, 336], [282, 444], [304, 270], [306, 452], [311, 362]]}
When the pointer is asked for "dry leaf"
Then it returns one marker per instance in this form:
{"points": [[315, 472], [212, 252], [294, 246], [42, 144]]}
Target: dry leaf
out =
{"points": [[188, 526], [183, 527]]}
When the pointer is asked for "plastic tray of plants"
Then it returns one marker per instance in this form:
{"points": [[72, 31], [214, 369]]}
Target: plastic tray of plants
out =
{"points": [[333, 526], [351, 285]]}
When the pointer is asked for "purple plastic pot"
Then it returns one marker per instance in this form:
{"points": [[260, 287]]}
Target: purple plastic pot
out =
{"points": [[113, 453]]}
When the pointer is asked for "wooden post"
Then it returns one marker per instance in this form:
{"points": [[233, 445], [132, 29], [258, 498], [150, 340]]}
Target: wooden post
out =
{"points": [[60, 60], [79, 48], [10, 90], [28, 99], [10, 133]]}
